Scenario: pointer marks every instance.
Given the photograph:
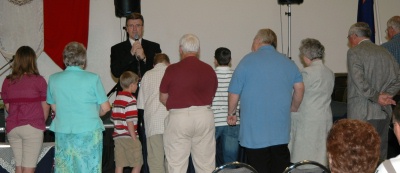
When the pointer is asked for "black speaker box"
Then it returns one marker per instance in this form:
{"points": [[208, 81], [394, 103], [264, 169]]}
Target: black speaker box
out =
{"points": [[125, 7], [283, 2]]}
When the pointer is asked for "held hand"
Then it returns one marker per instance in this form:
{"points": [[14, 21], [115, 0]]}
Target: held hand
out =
{"points": [[231, 120], [137, 50], [385, 99]]}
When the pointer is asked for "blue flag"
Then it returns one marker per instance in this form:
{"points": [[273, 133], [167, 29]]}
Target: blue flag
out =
{"points": [[366, 14]]}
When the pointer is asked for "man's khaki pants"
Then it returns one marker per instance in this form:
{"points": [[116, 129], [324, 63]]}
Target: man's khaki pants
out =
{"points": [[155, 154], [190, 131]]}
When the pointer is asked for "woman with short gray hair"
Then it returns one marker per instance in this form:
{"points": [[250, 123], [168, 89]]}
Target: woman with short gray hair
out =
{"points": [[74, 54], [311, 124], [78, 98]]}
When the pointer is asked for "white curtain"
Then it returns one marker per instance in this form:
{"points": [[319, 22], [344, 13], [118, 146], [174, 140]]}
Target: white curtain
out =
{"points": [[21, 24]]}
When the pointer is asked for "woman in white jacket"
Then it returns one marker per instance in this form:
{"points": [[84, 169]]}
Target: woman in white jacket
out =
{"points": [[310, 125]]}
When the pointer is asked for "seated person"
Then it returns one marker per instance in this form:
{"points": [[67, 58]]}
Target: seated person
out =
{"points": [[353, 146]]}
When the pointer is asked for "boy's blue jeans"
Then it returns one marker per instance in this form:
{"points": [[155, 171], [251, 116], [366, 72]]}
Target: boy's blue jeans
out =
{"points": [[226, 138]]}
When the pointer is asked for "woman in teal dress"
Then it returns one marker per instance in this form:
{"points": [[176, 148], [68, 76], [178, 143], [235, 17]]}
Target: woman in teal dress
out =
{"points": [[78, 99]]}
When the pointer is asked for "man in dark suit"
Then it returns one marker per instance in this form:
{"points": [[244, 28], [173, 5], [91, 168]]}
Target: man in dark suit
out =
{"points": [[135, 54], [373, 79]]}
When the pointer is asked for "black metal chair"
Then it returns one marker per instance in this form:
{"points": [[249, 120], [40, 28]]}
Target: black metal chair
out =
{"points": [[315, 167], [235, 167]]}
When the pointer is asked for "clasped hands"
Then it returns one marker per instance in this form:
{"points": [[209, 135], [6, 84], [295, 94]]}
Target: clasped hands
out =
{"points": [[231, 120], [138, 51], [385, 99]]}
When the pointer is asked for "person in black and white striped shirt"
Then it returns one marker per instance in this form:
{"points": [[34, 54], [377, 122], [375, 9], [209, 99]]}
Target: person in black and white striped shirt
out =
{"points": [[226, 136]]}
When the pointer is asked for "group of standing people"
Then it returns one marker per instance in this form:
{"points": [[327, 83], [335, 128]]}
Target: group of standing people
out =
{"points": [[360, 143], [373, 81], [190, 109], [176, 100], [76, 97], [272, 105]]}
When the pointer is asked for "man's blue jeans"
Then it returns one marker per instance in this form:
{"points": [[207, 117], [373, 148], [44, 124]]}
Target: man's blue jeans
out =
{"points": [[226, 138]]}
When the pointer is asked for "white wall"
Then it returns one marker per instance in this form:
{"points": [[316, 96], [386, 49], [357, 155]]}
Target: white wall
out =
{"points": [[228, 23]]}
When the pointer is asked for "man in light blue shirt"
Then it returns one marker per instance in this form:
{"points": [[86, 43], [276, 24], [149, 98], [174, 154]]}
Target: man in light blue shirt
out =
{"points": [[269, 86]]}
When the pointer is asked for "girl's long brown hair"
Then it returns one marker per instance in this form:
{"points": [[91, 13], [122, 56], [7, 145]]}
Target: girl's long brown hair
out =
{"points": [[24, 63]]}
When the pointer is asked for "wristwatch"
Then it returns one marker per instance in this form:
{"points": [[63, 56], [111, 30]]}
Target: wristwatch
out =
{"points": [[232, 114]]}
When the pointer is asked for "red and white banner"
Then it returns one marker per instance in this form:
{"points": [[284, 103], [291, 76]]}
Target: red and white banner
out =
{"points": [[64, 21]]}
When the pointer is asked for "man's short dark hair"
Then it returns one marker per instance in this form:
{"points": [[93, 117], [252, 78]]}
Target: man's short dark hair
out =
{"points": [[223, 56], [134, 16]]}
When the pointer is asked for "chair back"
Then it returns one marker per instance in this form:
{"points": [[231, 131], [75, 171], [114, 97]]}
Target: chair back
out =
{"points": [[235, 167], [307, 166]]}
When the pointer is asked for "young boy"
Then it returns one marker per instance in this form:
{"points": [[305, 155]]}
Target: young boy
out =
{"points": [[128, 150], [226, 137]]}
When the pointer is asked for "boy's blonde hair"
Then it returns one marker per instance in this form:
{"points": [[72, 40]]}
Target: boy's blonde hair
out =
{"points": [[127, 78]]}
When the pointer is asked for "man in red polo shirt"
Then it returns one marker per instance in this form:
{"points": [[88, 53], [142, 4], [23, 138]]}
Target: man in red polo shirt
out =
{"points": [[187, 90]]}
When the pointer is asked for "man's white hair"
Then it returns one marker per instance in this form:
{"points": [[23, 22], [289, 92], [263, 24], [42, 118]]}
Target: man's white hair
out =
{"points": [[189, 43]]}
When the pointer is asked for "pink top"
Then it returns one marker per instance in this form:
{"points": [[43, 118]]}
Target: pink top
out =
{"points": [[24, 97]]}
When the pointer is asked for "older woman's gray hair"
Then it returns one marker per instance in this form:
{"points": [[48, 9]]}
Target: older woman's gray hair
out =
{"points": [[311, 49], [361, 29], [74, 54], [189, 43]]}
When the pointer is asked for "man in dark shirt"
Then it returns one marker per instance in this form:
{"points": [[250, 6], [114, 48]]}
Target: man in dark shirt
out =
{"points": [[187, 90], [135, 54]]}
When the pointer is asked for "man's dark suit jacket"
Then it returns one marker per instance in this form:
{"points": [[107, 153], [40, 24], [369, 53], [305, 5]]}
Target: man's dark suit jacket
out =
{"points": [[122, 59]]}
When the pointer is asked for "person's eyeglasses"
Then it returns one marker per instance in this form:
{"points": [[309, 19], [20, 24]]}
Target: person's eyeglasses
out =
{"points": [[137, 25]]}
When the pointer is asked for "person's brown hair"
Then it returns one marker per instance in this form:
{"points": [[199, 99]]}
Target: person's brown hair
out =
{"points": [[24, 63], [353, 146], [161, 58], [134, 16]]}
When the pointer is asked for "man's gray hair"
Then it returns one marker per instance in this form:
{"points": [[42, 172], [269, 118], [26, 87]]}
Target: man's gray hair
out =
{"points": [[189, 43], [394, 22], [312, 49], [74, 54], [361, 29]]}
